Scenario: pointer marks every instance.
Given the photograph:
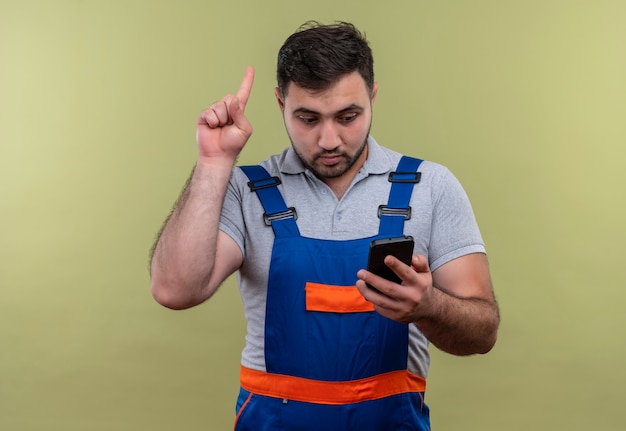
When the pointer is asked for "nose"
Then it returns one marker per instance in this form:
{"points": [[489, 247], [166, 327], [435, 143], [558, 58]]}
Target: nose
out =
{"points": [[329, 136]]}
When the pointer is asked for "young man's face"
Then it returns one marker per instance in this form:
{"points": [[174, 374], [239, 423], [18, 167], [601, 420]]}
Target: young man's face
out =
{"points": [[328, 129]]}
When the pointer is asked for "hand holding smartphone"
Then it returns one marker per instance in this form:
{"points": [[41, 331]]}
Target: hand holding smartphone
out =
{"points": [[399, 247]]}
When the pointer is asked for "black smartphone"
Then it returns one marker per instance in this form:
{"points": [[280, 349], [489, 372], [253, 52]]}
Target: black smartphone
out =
{"points": [[399, 247]]}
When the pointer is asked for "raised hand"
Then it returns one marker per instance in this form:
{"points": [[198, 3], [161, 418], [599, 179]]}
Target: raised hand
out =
{"points": [[223, 129]]}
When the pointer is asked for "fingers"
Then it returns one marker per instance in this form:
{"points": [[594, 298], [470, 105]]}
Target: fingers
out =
{"points": [[408, 274], [246, 87], [401, 269], [402, 303], [230, 110], [223, 113], [217, 114]]}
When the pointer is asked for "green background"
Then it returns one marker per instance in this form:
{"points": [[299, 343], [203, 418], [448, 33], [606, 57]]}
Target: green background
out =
{"points": [[525, 101]]}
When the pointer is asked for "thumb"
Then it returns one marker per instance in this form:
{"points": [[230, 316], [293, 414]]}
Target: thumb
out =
{"points": [[235, 111], [420, 263]]}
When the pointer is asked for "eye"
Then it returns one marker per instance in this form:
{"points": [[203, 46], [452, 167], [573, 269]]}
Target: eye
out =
{"points": [[307, 119], [347, 118]]}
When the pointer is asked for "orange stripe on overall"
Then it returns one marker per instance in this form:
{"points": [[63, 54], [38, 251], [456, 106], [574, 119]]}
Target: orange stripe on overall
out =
{"points": [[324, 392], [335, 299]]}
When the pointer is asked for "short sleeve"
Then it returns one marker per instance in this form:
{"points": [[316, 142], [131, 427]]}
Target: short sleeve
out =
{"points": [[232, 219], [454, 231]]}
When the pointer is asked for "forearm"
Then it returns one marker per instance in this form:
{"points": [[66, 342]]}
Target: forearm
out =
{"points": [[184, 254], [460, 326]]}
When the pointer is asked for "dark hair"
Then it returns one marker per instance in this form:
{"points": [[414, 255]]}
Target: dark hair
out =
{"points": [[317, 55]]}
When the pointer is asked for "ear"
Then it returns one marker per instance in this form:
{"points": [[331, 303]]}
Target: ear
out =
{"points": [[279, 99], [374, 91]]}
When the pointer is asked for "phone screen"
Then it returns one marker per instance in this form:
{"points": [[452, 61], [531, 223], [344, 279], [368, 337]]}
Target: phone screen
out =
{"points": [[399, 247]]}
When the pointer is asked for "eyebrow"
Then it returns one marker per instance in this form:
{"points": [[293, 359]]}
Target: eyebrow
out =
{"points": [[349, 108]]}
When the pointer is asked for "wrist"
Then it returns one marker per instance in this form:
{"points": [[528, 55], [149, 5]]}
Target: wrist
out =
{"points": [[215, 164], [430, 306]]}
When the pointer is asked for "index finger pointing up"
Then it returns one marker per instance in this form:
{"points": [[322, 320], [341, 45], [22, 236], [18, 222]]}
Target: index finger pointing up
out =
{"points": [[246, 87]]}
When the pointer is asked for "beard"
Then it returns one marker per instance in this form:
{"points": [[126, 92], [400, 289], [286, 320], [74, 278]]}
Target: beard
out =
{"points": [[342, 165], [344, 161]]}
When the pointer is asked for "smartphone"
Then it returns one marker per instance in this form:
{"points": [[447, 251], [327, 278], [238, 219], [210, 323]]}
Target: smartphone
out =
{"points": [[399, 247]]}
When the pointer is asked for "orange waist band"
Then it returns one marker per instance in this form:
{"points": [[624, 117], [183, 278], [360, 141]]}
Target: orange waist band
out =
{"points": [[325, 392]]}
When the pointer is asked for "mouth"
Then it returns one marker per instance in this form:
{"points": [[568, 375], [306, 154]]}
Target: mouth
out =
{"points": [[330, 159]]}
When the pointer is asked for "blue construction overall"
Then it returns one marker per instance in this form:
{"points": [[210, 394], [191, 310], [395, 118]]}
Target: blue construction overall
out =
{"points": [[332, 362]]}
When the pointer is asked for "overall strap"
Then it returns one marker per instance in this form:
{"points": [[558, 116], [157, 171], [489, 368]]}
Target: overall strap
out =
{"points": [[397, 210], [277, 215]]}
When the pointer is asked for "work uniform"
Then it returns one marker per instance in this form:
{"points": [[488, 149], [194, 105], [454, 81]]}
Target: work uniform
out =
{"points": [[329, 361]]}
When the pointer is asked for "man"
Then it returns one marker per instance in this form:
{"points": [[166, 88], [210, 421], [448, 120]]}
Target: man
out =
{"points": [[330, 345]]}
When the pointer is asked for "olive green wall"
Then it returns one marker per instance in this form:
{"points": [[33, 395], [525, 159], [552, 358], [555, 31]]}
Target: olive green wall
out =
{"points": [[524, 100]]}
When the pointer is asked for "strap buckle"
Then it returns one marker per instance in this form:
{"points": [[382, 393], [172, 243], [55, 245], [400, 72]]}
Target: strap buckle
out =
{"points": [[385, 210], [405, 177], [269, 218], [264, 183]]}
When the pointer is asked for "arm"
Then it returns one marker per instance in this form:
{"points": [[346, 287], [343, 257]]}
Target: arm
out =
{"points": [[454, 306], [191, 257]]}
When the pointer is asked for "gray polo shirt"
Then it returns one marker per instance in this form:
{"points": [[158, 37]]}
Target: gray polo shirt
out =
{"points": [[442, 224]]}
